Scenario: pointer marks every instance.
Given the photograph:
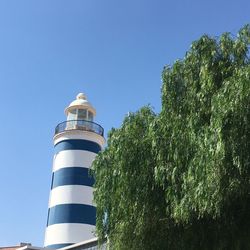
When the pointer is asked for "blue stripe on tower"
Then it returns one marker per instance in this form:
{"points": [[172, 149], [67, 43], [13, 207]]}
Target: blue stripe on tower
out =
{"points": [[75, 144], [72, 213], [72, 176]]}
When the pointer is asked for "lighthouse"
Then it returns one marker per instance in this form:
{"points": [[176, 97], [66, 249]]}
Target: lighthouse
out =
{"points": [[72, 214]]}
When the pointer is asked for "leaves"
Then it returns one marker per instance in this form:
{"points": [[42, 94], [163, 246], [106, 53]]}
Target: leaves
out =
{"points": [[180, 179]]}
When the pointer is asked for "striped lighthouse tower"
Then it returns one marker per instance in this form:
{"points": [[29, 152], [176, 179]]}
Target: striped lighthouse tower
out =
{"points": [[72, 214]]}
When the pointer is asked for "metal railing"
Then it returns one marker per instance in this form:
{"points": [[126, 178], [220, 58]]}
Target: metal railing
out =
{"points": [[79, 125]]}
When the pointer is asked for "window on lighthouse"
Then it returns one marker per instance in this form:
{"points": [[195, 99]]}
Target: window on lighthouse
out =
{"points": [[82, 114], [72, 115], [90, 116]]}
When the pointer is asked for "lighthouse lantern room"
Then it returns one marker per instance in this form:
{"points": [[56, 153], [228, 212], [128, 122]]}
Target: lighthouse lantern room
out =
{"points": [[80, 109]]}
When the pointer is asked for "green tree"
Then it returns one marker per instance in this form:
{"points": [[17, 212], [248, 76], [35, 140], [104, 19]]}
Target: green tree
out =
{"points": [[180, 179]]}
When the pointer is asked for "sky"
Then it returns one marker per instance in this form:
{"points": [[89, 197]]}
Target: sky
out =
{"points": [[113, 51]]}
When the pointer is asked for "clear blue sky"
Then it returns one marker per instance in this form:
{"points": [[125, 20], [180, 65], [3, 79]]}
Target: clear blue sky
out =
{"points": [[114, 51]]}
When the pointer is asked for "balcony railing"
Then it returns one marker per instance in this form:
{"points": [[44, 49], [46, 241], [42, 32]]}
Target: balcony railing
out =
{"points": [[79, 125]]}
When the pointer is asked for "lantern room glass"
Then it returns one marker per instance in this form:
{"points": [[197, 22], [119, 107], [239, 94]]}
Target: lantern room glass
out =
{"points": [[90, 116], [72, 115], [80, 114]]}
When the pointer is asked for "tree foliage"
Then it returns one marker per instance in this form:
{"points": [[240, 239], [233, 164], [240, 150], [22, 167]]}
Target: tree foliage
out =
{"points": [[180, 179]]}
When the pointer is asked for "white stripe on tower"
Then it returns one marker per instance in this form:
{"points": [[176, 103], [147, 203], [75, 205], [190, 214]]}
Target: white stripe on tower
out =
{"points": [[72, 158], [71, 194], [60, 232]]}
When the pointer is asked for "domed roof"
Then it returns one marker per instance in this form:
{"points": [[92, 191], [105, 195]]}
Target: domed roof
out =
{"points": [[81, 102]]}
